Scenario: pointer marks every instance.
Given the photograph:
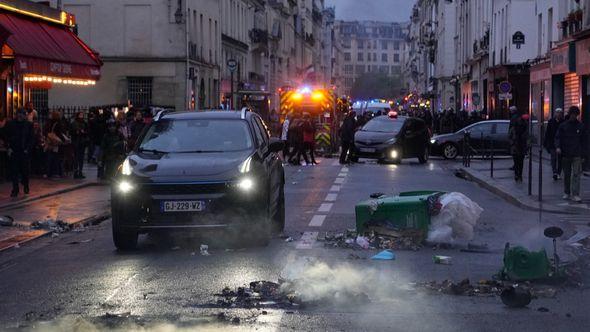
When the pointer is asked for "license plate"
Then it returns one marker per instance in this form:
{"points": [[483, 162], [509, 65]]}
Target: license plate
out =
{"points": [[368, 150], [182, 206]]}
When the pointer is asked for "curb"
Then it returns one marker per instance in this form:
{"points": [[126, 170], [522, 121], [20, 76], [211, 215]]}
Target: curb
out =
{"points": [[36, 234], [507, 196], [53, 193]]}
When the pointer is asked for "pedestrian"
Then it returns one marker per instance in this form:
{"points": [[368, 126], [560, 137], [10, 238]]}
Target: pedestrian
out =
{"points": [[518, 135], [32, 114], [447, 123], [285, 138], [55, 137], [136, 127], [79, 131], [296, 135], [309, 138], [570, 143], [19, 134], [549, 142], [112, 150], [347, 131], [3, 150], [38, 155]]}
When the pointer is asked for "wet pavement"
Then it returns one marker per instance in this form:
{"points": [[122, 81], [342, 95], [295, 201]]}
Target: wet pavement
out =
{"points": [[79, 279]]}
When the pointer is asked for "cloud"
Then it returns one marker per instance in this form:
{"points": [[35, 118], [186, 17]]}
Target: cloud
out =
{"points": [[377, 10]]}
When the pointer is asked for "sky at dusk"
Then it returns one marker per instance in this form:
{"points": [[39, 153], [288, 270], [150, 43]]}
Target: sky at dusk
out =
{"points": [[377, 10]]}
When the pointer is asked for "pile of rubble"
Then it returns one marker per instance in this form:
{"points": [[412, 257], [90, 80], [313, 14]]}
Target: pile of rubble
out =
{"points": [[53, 225], [484, 288], [258, 294], [374, 239]]}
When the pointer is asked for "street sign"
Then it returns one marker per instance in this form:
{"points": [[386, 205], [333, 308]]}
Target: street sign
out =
{"points": [[505, 96], [505, 87], [518, 39], [232, 65]]}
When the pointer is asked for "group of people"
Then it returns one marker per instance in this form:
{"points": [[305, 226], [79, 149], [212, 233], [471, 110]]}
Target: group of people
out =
{"points": [[61, 146], [566, 140], [298, 133]]}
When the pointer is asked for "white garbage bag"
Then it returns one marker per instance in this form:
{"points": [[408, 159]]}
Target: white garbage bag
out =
{"points": [[456, 220]]}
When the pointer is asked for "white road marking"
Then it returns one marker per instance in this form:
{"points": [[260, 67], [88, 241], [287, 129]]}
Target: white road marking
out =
{"points": [[307, 240], [342, 175], [339, 181], [344, 169], [325, 207], [331, 197], [317, 220], [335, 188]]}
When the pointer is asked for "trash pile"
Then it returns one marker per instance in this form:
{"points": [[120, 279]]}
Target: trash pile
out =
{"points": [[6, 221], [375, 239], [456, 219], [56, 226], [464, 287], [258, 294]]}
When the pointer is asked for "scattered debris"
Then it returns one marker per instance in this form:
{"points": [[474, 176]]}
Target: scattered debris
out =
{"points": [[6, 221], [175, 248], [464, 287], [516, 297], [362, 242], [204, 250], [384, 255], [79, 242], [542, 309], [379, 238], [444, 260], [377, 195], [54, 234], [476, 248], [56, 226], [354, 256], [289, 239]]}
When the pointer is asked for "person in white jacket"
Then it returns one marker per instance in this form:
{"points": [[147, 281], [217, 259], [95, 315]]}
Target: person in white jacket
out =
{"points": [[285, 138]]}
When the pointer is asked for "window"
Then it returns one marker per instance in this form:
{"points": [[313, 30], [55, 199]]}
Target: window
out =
{"points": [[396, 58], [348, 81], [396, 69], [360, 69], [368, 57], [384, 57], [369, 45], [347, 57], [360, 57], [139, 91], [374, 68], [374, 44], [480, 129], [384, 69], [384, 44], [502, 128], [40, 99], [346, 43], [360, 44], [260, 131], [374, 57], [396, 45], [348, 69]]}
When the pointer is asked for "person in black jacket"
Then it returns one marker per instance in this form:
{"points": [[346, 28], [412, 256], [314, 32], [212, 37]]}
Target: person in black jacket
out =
{"points": [[549, 142], [570, 143], [519, 136], [347, 137], [19, 135]]}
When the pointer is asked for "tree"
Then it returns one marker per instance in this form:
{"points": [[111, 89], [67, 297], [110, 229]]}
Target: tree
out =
{"points": [[376, 86]]}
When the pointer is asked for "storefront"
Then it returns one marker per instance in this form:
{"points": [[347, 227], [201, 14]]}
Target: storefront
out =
{"points": [[583, 72], [565, 86], [39, 50], [541, 91]]}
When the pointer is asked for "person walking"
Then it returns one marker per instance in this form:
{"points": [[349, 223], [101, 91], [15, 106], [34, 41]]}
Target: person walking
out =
{"points": [[136, 127], [79, 132], [347, 137], [296, 132], [285, 138], [519, 135], [112, 149], [19, 134], [55, 138], [309, 138], [32, 114], [570, 143], [549, 142]]}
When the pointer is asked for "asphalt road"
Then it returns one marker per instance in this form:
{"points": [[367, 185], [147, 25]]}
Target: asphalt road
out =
{"points": [[78, 281]]}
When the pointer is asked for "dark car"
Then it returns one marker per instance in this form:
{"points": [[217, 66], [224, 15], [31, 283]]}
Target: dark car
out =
{"points": [[201, 171], [483, 136], [391, 139]]}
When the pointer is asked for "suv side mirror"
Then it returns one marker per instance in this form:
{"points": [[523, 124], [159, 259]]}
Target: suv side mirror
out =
{"points": [[276, 145]]}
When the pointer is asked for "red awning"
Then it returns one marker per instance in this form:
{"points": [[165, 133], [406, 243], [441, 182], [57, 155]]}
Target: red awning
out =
{"points": [[42, 48]]}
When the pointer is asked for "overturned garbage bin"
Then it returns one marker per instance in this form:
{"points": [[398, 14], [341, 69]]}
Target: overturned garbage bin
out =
{"points": [[409, 211]]}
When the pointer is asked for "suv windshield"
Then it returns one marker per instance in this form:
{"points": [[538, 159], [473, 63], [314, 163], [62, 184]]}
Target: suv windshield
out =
{"points": [[198, 136], [384, 125]]}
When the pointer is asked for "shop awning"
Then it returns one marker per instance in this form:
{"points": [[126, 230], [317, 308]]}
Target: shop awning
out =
{"points": [[47, 49]]}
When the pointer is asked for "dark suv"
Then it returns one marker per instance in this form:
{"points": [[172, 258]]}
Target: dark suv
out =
{"points": [[193, 171]]}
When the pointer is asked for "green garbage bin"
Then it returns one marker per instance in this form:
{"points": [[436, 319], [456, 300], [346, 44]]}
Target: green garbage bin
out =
{"points": [[407, 211]]}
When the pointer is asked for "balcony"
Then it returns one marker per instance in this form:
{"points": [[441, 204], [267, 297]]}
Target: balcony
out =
{"points": [[572, 24], [254, 77], [258, 36]]}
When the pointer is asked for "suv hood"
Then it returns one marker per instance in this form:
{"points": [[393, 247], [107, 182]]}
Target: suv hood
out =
{"points": [[189, 165], [373, 137]]}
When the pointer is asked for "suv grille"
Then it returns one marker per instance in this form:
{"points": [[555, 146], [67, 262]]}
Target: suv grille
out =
{"points": [[184, 189]]}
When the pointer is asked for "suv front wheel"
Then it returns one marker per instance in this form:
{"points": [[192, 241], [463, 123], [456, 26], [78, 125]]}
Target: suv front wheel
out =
{"points": [[124, 240]]}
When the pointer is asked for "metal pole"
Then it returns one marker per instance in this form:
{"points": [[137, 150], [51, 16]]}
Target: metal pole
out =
{"points": [[541, 136], [491, 158], [231, 83], [529, 142]]}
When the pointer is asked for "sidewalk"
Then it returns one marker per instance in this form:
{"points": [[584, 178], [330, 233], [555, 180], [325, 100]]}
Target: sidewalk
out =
{"points": [[76, 202], [503, 185], [41, 188]]}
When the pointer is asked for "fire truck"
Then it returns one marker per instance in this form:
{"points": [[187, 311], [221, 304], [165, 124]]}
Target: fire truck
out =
{"points": [[321, 104]]}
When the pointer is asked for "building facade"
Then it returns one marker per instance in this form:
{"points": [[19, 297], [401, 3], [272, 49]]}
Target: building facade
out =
{"points": [[370, 47]]}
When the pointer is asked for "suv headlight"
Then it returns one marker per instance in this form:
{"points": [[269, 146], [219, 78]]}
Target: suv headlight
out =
{"points": [[433, 141], [246, 184], [125, 187]]}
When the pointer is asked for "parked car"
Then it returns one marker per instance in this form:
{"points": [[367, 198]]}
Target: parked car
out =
{"points": [[195, 171], [390, 139], [483, 136]]}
